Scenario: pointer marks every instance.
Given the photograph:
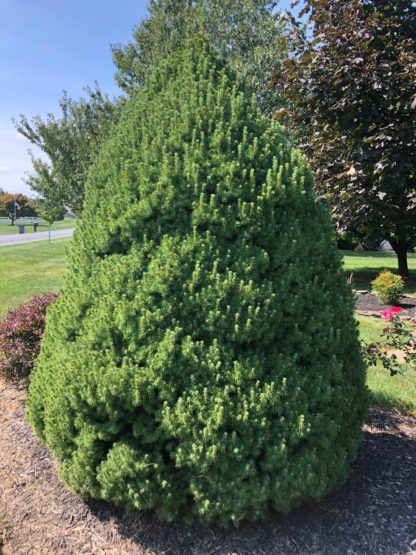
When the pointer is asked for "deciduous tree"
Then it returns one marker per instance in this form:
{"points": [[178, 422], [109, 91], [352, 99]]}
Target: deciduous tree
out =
{"points": [[351, 95], [248, 32], [17, 205], [70, 143]]}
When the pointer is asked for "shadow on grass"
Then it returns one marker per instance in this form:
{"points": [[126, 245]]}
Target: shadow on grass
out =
{"points": [[372, 514]]}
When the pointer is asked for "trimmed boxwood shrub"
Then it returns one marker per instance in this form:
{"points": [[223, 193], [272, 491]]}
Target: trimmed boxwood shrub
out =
{"points": [[20, 336], [388, 287], [203, 359]]}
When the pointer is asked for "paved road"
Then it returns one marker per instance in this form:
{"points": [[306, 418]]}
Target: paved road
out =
{"points": [[37, 236]]}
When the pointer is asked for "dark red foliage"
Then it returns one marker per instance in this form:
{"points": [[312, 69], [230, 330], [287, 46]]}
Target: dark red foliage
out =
{"points": [[349, 88], [20, 336]]}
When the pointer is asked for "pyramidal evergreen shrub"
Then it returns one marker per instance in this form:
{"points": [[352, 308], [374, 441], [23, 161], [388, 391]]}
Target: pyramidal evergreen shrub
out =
{"points": [[202, 360]]}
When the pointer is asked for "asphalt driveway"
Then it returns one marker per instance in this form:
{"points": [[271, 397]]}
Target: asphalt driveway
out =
{"points": [[37, 236]]}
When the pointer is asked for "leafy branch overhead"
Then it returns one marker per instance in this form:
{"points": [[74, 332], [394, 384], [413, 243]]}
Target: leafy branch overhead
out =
{"points": [[351, 99], [69, 143], [249, 33]]}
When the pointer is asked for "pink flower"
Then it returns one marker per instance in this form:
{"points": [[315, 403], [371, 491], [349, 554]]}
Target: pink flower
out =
{"points": [[389, 314], [386, 315]]}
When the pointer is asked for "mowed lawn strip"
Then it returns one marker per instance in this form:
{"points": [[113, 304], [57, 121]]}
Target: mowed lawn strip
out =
{"points": [[366, 265], [7, 229], [30, 269], [38, 267]]}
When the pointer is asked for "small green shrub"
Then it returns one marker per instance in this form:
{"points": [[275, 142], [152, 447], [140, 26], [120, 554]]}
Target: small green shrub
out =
{"points": [[203, 359], [388, 287]]}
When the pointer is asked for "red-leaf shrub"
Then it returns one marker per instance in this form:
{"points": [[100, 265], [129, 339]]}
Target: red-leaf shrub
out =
{"points": [[20, 336]]}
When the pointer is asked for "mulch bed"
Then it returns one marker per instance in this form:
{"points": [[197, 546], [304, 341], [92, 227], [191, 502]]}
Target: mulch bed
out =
{"points": [[368, 305], [374, 514]]}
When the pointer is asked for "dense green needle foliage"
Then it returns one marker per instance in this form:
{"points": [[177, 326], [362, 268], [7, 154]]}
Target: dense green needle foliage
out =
{"points": [[202, 360]]}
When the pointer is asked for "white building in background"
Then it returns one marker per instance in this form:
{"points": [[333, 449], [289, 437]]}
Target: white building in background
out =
{"points": [[385, 246]]}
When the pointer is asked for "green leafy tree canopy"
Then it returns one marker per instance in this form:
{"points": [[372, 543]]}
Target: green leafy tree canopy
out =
{"points": [[16, 206], [70, 143], [250, 33]]}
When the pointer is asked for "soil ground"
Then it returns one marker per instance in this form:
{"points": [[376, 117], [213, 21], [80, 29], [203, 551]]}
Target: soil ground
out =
{"points": [[374, 513], [368, 304]]}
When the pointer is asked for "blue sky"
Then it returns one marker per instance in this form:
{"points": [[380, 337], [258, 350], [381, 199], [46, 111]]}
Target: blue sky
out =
{"points": [[48, 46]]}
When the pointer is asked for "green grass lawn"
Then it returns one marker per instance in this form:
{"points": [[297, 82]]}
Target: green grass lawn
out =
{"points": [[38, 267], [7, 229], [29, 269], [387, 391], [365, 266]]}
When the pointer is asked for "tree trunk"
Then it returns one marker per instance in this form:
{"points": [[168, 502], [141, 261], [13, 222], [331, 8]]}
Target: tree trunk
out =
{"points": [[401, 250]]}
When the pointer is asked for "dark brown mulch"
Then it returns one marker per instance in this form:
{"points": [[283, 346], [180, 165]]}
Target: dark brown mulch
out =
{"points": [[368, 304], [374, 514]]}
